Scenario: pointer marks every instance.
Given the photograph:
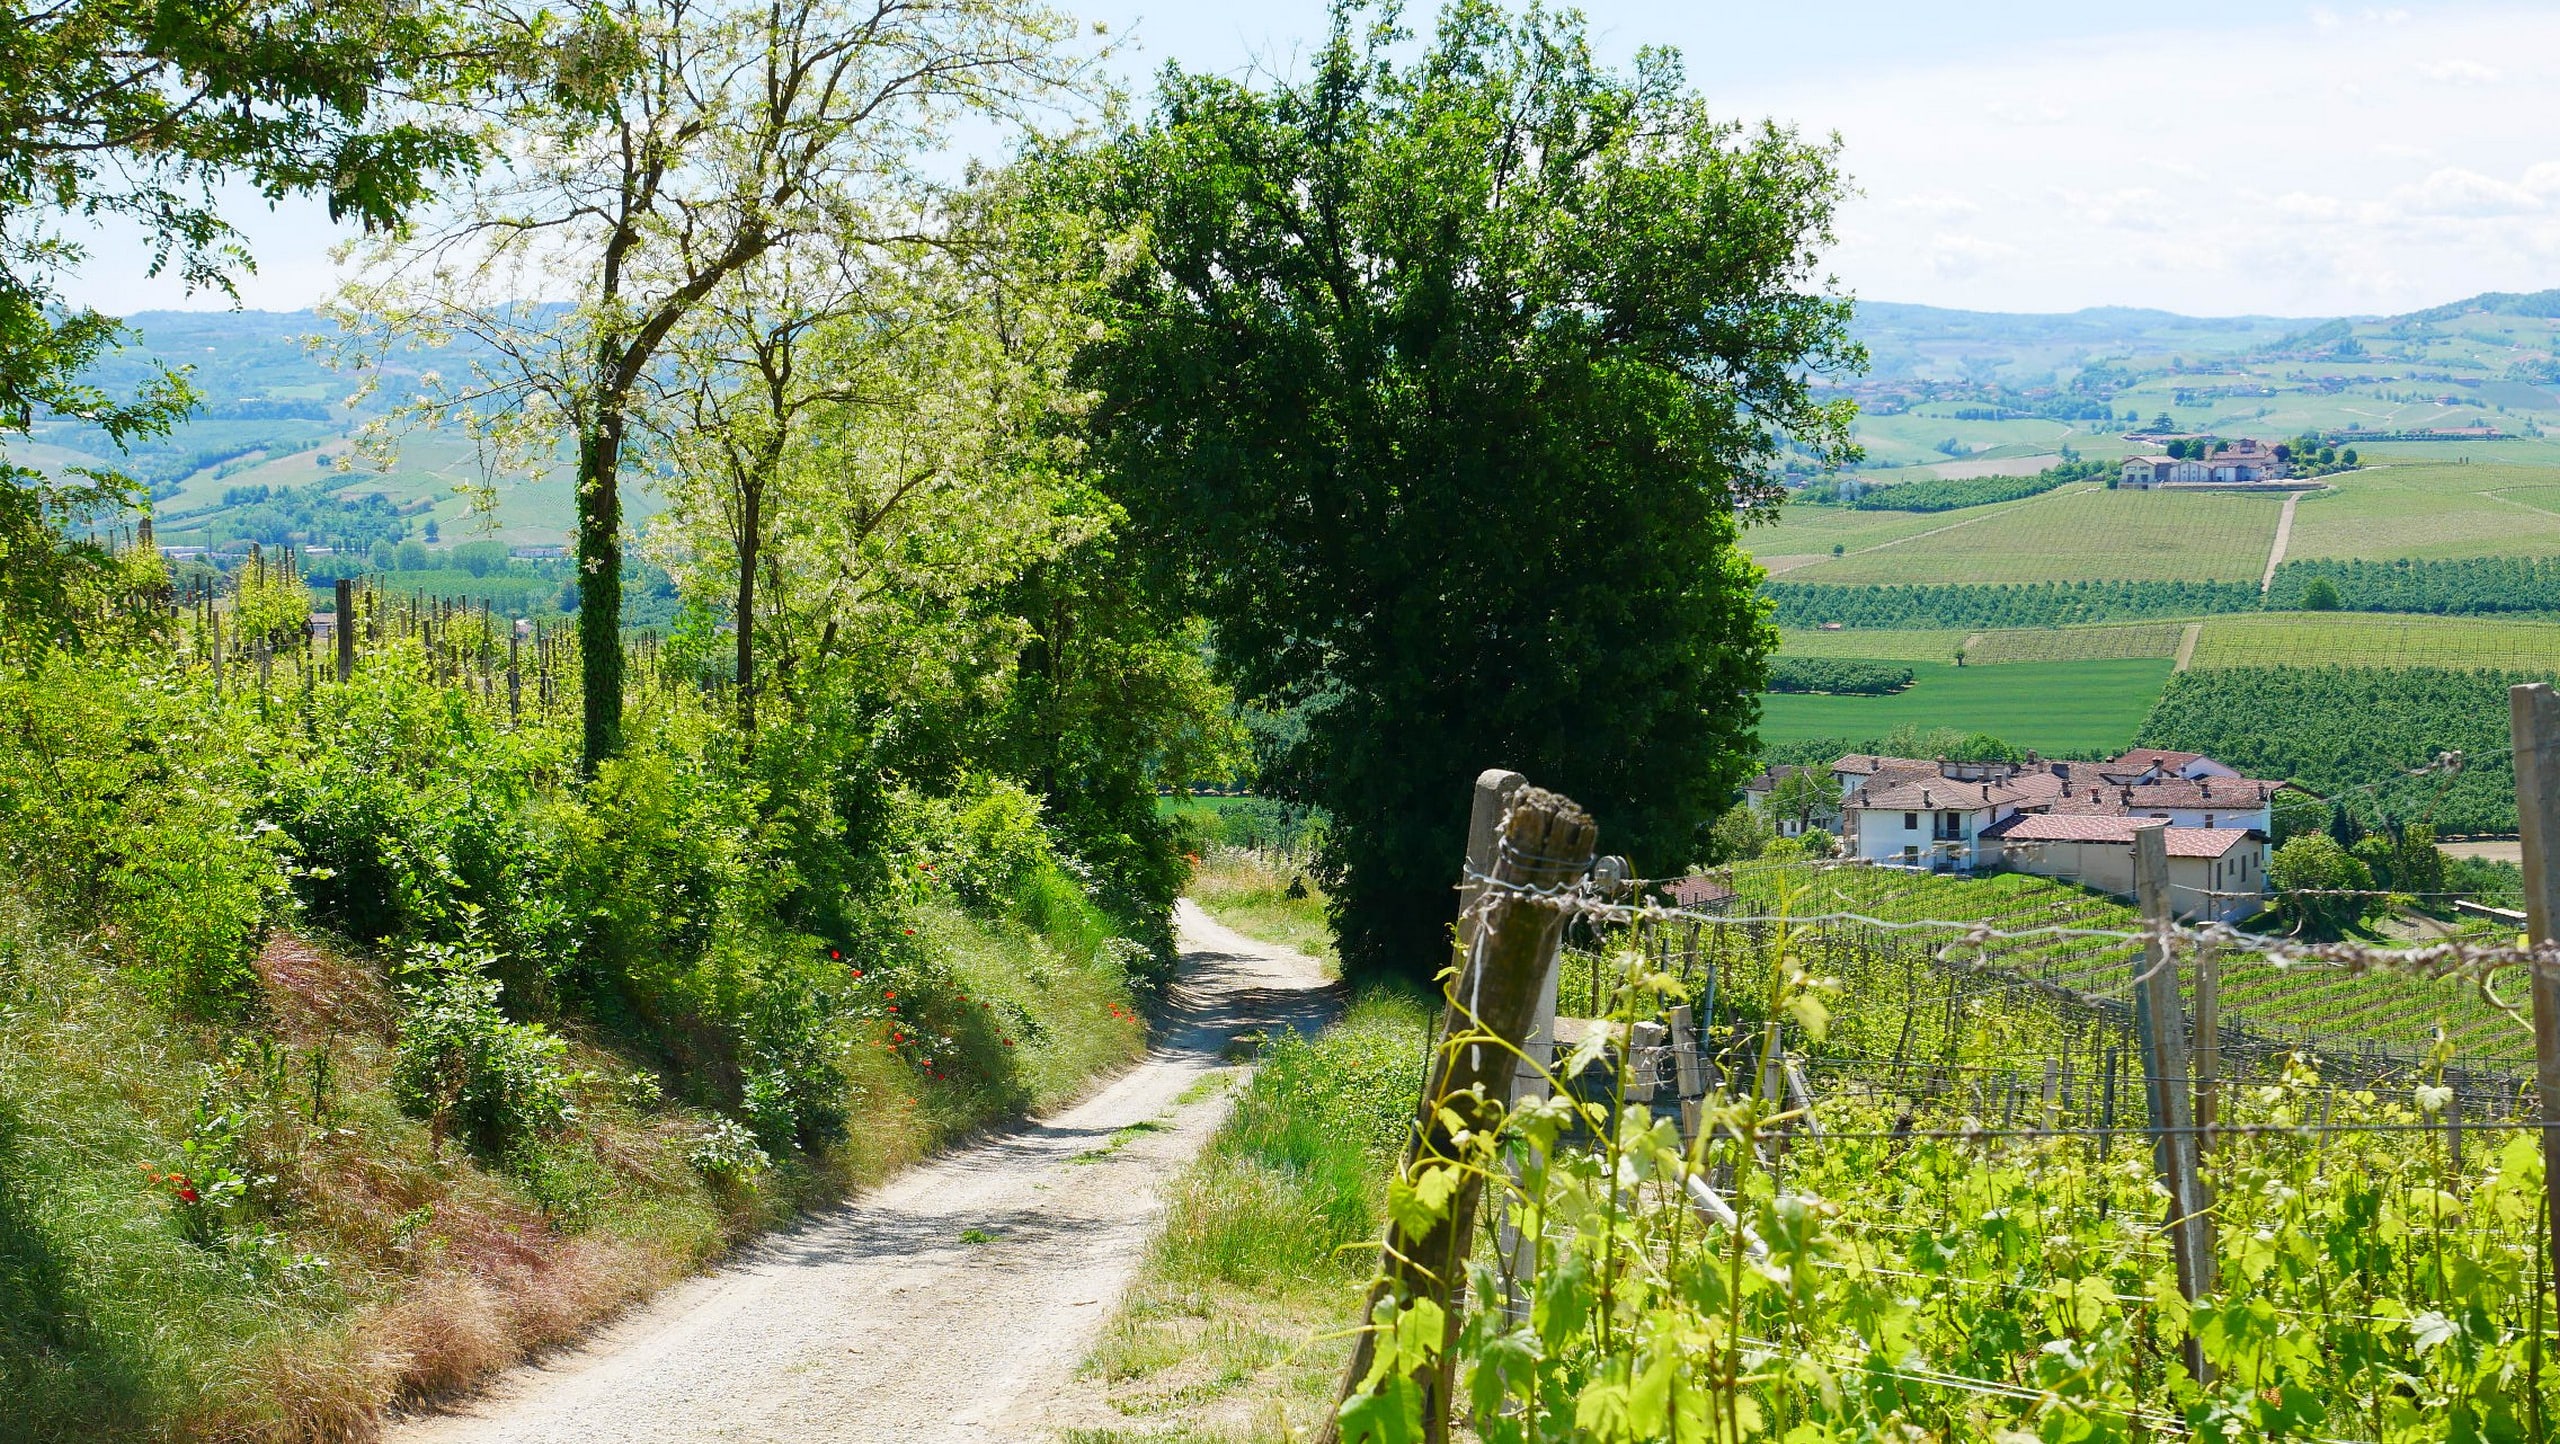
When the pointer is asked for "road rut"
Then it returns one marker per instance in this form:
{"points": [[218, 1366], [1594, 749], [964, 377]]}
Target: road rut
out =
{"points": [[874, 1320]]}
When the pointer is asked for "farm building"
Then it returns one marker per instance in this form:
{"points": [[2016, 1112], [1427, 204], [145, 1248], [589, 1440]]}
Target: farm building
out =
{"points": [[2236, 463], [2072, 820]]}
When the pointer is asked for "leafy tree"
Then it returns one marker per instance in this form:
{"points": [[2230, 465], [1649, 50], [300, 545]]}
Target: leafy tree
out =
{"points": [[2293, 812], [1803, 796], [663, 148], [131, 111], [2320, 596], [2314, 880], [1438, 389]]}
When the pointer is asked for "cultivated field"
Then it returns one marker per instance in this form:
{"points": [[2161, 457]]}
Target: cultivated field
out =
{"points": [[2075, 644], [2058, 707], [2370, 639], [1879, 645], [2087, 533], [2444, 509], [1991, 647]]}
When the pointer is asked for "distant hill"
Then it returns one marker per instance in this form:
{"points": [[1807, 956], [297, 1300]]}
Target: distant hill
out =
{"points": [[1931, 343], [1954, 392]]}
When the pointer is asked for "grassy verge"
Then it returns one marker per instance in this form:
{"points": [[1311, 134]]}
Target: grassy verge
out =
{"points": [[334, 1257], [1227, 1335], [1265, 897]]}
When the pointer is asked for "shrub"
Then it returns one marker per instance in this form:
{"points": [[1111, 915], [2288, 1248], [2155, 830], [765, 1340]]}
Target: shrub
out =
{"points": [[728, 1156], [1838, 675], [462, 1066], [2314, 880]]}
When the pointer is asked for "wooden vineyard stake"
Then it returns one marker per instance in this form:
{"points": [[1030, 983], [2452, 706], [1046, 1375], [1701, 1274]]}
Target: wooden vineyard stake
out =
{"points": [[1544, 841], [1684, 1053], [2533, 710], [2208, 1046], [2159, 1022], [346, 628]]}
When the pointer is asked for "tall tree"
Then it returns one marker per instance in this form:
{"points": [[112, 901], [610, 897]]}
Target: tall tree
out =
{"points": [[1443, 391], [134, 111], [674, 144]]}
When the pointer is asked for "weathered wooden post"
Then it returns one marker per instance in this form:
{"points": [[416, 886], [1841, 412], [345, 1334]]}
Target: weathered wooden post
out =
{"points": [[2533, 711], [344, 597], [1544, 841], [2161, 1026]]}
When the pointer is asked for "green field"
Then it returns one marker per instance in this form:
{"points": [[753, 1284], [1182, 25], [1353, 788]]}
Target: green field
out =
{"points": [[2087, 533], [1878, 644], [2445, 509], [1994, 647], [2059, 707], [2369, 639]]}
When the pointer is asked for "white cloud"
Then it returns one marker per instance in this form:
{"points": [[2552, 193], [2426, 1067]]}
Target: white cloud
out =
{"points": [[2459, 72], [2160, 182], [2456, 192], [1959, 256]]}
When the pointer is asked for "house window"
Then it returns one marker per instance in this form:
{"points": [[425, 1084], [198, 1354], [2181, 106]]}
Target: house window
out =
{"points": [[1911, 855], [2208, 819], [1911, 822]]}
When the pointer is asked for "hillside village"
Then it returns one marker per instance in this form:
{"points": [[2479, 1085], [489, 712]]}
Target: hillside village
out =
{"points": [[2073, 821]]}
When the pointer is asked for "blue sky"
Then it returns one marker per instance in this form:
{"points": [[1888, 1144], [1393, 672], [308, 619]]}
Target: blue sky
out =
{"points": [[2273, 158]]}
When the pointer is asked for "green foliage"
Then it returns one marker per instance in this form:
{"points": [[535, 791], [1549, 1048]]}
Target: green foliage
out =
{"points": [[2462, 586], [464, 1068], [1393, 323], [2356, 734], [1914, 1266], [138, 111], [2293, 812], [2312, 865], [2320, 595], [1839, 675], [1949, 494], [1972, 606]]}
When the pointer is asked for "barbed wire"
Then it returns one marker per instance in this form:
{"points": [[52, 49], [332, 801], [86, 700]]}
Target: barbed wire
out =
{"points": [[2444, 957]]}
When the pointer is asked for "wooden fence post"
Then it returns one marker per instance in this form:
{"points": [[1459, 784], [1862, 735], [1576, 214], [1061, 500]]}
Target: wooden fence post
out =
{"points": [[345, 597], [1545, 841], [2161, 1025], [2533, 711]]}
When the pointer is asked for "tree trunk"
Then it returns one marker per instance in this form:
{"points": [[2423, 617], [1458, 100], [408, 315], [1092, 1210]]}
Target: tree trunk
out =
{"points": [[600, 586], [750, 544]]}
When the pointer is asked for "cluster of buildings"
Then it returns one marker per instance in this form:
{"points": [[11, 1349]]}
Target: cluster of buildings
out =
{"points": [[2069, 820], [2244, 462]]}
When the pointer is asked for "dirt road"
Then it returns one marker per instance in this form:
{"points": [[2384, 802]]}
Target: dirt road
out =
{"points": [[877, 1321]]}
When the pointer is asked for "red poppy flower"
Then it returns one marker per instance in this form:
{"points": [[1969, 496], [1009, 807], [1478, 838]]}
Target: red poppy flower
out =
{"points": [[910, 932], [189, 1194], [892, 993], [834, 954]]}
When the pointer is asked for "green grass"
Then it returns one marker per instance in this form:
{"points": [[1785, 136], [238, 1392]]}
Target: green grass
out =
{"points": [[2084, 534], [1230, 1333], [2371, 639], [2058, 707], [1250, 892]]}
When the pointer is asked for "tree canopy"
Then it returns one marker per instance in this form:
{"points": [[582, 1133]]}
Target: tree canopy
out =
{"points": [[134, 111], [1439, 389]]}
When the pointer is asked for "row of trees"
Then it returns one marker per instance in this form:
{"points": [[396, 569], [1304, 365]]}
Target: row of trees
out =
{"points": [[1419, 401], [1969, 605]]}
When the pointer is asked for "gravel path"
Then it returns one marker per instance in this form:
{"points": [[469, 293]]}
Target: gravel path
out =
{"points": [[875, 1321], [2284, 538]]}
